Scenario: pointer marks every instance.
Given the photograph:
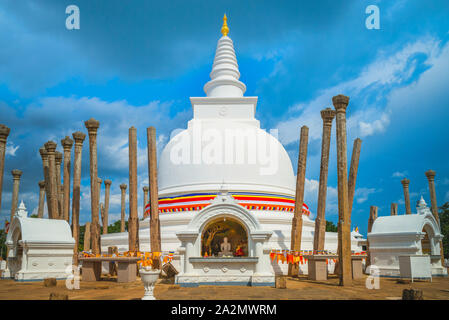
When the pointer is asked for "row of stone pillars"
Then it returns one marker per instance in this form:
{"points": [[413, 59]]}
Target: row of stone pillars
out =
{"points": [[58, 196], [92, 229], [346, 188]]}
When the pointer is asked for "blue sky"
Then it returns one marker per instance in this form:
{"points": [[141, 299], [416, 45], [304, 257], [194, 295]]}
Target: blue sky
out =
{"points": [[136, 63]]}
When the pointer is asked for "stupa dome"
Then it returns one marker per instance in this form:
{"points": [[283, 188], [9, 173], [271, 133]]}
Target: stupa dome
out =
{"points": [[247, 167]]}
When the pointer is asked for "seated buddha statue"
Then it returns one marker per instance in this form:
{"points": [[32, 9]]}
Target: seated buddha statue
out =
{"points": [[225, 248]]}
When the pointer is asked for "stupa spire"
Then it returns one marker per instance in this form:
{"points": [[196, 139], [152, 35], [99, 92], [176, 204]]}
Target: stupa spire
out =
{"points": [[224, 28], [225, 70]]}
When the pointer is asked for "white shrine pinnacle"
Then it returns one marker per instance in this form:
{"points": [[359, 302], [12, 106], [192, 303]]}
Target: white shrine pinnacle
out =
{"points": [[225, 71], [21, 211], [422, 203]]}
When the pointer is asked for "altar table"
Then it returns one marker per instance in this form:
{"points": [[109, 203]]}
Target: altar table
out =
{"points": [[126, 270]]}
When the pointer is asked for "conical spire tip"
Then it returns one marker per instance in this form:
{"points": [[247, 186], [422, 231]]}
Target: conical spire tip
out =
{"points": [[224, 28]]}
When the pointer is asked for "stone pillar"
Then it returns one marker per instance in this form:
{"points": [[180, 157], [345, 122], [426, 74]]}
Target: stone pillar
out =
{"points": [[67, 144], [102, 215], [371, 219], [40, 210], [433, 196], [320, 222], [296, 234], [123, 203], [58, 159], [394, 209], [50, 146], [76, 190], [92, 126], [353, 173], [145, 199], [44, 156], [4, 133], [344, 231], [133, 215], [430, 174], [87, 236], [155, 228], [99, 188], [15, 191], [107, 186], [405, 183]]}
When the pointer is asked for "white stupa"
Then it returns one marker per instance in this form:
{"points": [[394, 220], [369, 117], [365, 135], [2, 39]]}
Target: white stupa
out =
{"points": [[224, 176]]}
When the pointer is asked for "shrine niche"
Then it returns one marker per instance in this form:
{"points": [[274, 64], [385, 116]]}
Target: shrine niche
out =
{"points": [[224, 238]]}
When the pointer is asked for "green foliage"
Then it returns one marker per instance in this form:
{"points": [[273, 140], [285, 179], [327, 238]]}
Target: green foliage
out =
{"points": [[331, 227], [444, 222], [33, 216], [115, 227]]}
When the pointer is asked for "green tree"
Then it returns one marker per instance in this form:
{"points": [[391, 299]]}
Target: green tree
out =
{"points": [[444, 223], [331, 227]]}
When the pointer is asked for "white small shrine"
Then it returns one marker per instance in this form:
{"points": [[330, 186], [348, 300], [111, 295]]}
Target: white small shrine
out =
{"points": [[406, 235], [38, 248]]}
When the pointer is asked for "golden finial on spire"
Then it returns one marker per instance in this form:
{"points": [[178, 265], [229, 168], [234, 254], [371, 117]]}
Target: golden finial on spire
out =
{"points": [[224, 28]]}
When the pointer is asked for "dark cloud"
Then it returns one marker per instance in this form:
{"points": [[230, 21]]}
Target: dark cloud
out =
{"points": [[140, 39]]}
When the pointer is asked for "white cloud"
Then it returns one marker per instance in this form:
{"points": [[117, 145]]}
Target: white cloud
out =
{"points": [[399, 174], [382, 74], [11, 149], [368, 129], [311, 197], [362, 194]]}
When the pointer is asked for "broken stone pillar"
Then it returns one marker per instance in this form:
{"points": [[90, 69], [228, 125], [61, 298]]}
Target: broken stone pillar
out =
{"points": [[50, 146], [40, 209], [296, 234], [123, 203], [430, 174], [107, 186], [145, 200], [320, 222], [87, 236], [405, 183], [344, 231], [155, 227], [67, 144], [58, 159], [76, 190], [92, 126], [394, 209], [44, 156], [353, 173], [15, 191], [133, 215], [4, 133], [371, 219]]}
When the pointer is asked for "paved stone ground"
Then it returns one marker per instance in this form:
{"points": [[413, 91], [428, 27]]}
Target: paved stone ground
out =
{"points": [[297, 288]]}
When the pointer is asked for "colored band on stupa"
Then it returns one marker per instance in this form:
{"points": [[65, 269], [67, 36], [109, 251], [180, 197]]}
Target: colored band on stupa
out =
{"points": [[249, 200]]}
